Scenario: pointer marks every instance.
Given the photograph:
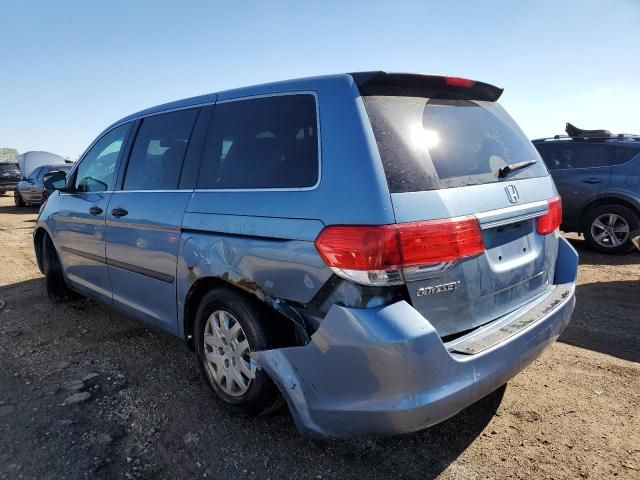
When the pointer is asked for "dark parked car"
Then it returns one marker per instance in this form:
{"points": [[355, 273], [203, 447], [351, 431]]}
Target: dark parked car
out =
{"points": [[598, 176], [9, 176], [30, 190]]}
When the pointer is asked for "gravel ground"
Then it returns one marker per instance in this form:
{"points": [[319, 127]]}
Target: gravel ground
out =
{"points": [[86, 392]]}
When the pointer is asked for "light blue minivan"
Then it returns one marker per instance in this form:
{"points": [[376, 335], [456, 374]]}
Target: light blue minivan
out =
{"points": [[378, 250]]}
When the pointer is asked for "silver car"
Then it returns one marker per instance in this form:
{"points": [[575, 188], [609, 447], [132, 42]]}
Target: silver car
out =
{"points": [[30, 190]]}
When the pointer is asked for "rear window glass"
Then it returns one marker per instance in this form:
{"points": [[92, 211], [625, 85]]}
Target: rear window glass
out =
{"points": [[428, 144], [269, 142]]}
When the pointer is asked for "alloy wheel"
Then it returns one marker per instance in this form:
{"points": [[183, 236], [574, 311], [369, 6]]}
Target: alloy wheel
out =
{"points": [[610, 230]]}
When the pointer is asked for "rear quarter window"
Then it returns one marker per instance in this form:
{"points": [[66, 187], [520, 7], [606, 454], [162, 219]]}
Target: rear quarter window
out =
{"points": [[262, 143], [624, 154], [428, 144]]}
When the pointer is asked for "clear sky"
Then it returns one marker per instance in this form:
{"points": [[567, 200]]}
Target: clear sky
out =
{"points": [[69, 68]]}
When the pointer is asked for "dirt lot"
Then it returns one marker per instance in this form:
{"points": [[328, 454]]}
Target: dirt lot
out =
{"points": [[574, 413]]}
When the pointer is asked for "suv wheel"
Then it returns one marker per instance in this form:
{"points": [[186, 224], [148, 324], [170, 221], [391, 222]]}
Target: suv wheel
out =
{"points": [[228, 327], [57, 289], [608, 227], [18, 200]]}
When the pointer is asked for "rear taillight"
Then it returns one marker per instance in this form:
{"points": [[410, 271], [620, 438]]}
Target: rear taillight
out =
{"points": [[380, 255], [551, 220]]}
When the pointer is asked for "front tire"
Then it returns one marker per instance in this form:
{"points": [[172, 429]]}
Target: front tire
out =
{"points": [[228, 326], [57, 289], [608, 228]]}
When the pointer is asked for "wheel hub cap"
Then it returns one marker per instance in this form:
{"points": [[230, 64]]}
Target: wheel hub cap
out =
{"points": [[227, 353], [610, 230]]}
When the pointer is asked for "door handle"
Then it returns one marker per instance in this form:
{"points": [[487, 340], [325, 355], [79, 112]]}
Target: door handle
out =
{"points": [[119, 212], [95, 210], [592, 180]]}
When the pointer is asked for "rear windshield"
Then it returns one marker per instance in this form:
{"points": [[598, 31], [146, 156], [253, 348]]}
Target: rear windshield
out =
{"points": [[8, 167], [428, 144]]}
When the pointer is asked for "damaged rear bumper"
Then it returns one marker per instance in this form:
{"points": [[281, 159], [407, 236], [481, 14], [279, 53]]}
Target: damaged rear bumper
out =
{"points": [[386, 370]]}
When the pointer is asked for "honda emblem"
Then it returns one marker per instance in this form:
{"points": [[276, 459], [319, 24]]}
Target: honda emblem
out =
{"points": [[512, 193]]}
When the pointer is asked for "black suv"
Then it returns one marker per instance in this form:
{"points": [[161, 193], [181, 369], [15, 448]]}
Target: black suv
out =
{"points": [[598, 176], [9, 176]]}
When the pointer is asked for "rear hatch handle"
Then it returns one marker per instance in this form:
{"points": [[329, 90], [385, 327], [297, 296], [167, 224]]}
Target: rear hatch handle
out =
{"points": [[516, 213]]}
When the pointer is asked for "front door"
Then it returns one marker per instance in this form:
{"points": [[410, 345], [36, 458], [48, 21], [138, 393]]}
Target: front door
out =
{"points": [[80, 226], [144, 220]]}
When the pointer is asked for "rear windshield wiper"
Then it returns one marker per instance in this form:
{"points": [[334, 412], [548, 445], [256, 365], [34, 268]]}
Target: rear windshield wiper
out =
{"points": [[506, 170]]}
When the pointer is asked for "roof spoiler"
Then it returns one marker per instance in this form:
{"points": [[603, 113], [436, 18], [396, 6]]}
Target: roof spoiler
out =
{"points": [[429, 86]]}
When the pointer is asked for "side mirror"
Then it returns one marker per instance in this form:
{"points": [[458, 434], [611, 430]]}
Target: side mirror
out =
{"points": [[55, 180]]}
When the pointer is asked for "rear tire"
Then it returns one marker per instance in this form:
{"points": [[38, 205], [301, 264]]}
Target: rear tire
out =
{"points": [[18, 200], [608, 228], [57, 289], [224, 361]]}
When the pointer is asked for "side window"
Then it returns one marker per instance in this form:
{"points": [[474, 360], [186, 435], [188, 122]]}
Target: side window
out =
{"points": [[544, 149], [158, 151], [43, 171], [562, 156], [269, 142], [568, 155], [34, 174], [555, 155], [623, 154], [96, 172], [586, 155]]}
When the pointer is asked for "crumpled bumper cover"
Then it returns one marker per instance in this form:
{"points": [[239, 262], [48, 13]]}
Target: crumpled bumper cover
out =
{"points": [[386, 370]]}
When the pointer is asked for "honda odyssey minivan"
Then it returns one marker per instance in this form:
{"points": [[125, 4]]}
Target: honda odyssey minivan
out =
{"points": [[378, 250]]}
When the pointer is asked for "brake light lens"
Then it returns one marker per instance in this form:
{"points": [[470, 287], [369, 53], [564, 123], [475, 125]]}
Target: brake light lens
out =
{"points": [[460, 82], [551, 220], [437, 241], [377, 255]]}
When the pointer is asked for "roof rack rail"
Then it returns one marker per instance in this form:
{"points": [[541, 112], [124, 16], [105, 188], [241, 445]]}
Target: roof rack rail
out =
{"points": [[619, 136]]}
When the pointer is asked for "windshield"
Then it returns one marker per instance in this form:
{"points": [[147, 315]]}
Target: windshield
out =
{"points": [[8, 167], [428, 144]]}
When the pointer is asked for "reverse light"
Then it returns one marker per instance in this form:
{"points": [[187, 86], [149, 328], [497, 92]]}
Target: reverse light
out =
{"points": [[459, 82], [381, 254], [551, 220]]}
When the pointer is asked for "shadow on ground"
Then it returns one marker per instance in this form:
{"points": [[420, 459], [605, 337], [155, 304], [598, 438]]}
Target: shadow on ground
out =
{"points": [[159, 399], [607, 319], [591, 257], [13, 210]]}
